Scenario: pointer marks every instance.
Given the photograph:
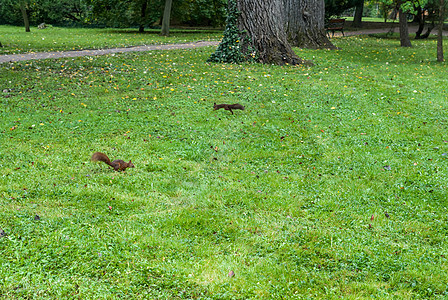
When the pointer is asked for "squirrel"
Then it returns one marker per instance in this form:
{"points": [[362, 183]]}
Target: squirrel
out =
{"points": [[118, 164], [228, 106]]}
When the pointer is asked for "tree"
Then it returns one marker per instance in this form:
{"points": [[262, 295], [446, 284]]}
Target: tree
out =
{"points": [[262, 34], [357, 18], [124, 13], [440, 31], [166, 18], [405, 41], [337, 7], [23, 9], [200, 12], [144, 7], [305, 24]]}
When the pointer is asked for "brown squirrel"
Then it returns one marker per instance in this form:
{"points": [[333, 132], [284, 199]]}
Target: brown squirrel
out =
{"points": [[118, 164], [228, 106]]}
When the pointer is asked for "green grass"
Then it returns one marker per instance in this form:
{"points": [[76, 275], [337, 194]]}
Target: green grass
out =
{"points": [[289, 194], [15, 40]]}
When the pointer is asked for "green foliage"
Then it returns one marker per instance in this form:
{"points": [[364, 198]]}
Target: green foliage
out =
{"points": [[289, 194], [230, 50], [113, 13], [119, 13], [62, 12], [200, 12], [334, 8]]}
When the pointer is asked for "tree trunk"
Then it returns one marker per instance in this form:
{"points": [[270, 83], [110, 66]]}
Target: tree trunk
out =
{"points": [[166, 18], [420, 19], [25, 16], [357, 19], [440, 31], [141, 28], [305, 24], [405, 41], [262, 29]]}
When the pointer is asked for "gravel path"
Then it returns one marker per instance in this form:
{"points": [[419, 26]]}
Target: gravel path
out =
{"points": [[59, 54]]}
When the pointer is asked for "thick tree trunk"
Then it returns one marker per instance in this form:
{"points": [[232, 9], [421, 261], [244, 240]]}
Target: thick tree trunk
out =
{"points": [[405, 41], [260, 22], [440, 31], [305, 24], [357, 18], [25, 16], [141, 28], [166, 18]]}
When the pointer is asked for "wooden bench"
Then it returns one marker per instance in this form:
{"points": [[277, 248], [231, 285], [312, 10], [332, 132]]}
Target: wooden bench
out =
{"points": [[335, 25]]}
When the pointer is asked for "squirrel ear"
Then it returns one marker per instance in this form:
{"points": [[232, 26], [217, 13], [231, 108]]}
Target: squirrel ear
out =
{"points": [[129, 161], [214, 103]]}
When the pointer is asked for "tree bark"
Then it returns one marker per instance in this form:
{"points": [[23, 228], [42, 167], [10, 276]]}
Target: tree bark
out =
{"points": [[166, 18], [305, 24], [357, 18], [405, 41], [440, 31], [262, 29], [25, 16]]}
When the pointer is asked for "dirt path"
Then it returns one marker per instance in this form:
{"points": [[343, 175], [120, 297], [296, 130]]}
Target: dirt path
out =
{"points": [[60, 54]]}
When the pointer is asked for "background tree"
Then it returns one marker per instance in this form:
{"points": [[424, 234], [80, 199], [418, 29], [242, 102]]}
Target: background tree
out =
{"points": [[305, 24], [166, 18], [200, 12], [442, 9], [24, 9], [405, 41], [337, 7], [143, 12], [124, 13], [357, 18]]}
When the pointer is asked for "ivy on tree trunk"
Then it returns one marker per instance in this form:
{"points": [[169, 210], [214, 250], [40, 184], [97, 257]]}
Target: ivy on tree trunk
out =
{"points": [[255, 32]]}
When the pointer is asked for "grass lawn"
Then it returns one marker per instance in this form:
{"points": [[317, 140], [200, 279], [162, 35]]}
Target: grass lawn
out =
{"points": [[15, 40], [331, 184]]}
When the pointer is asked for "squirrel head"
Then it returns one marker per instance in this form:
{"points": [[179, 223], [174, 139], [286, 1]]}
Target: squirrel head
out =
{"points": [[131, 165]]}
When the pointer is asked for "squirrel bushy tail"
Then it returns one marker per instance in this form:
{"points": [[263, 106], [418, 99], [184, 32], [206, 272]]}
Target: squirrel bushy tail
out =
{"points": [[118, 164], [99, 156]]}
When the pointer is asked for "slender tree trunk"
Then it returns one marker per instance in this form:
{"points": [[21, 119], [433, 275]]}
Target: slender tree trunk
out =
{"points": [[262, 30], [404, 30], [25, 16], [420, 18], [166, 18], [357, 19], [305, 24], [141, 28], [440, 31]]}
